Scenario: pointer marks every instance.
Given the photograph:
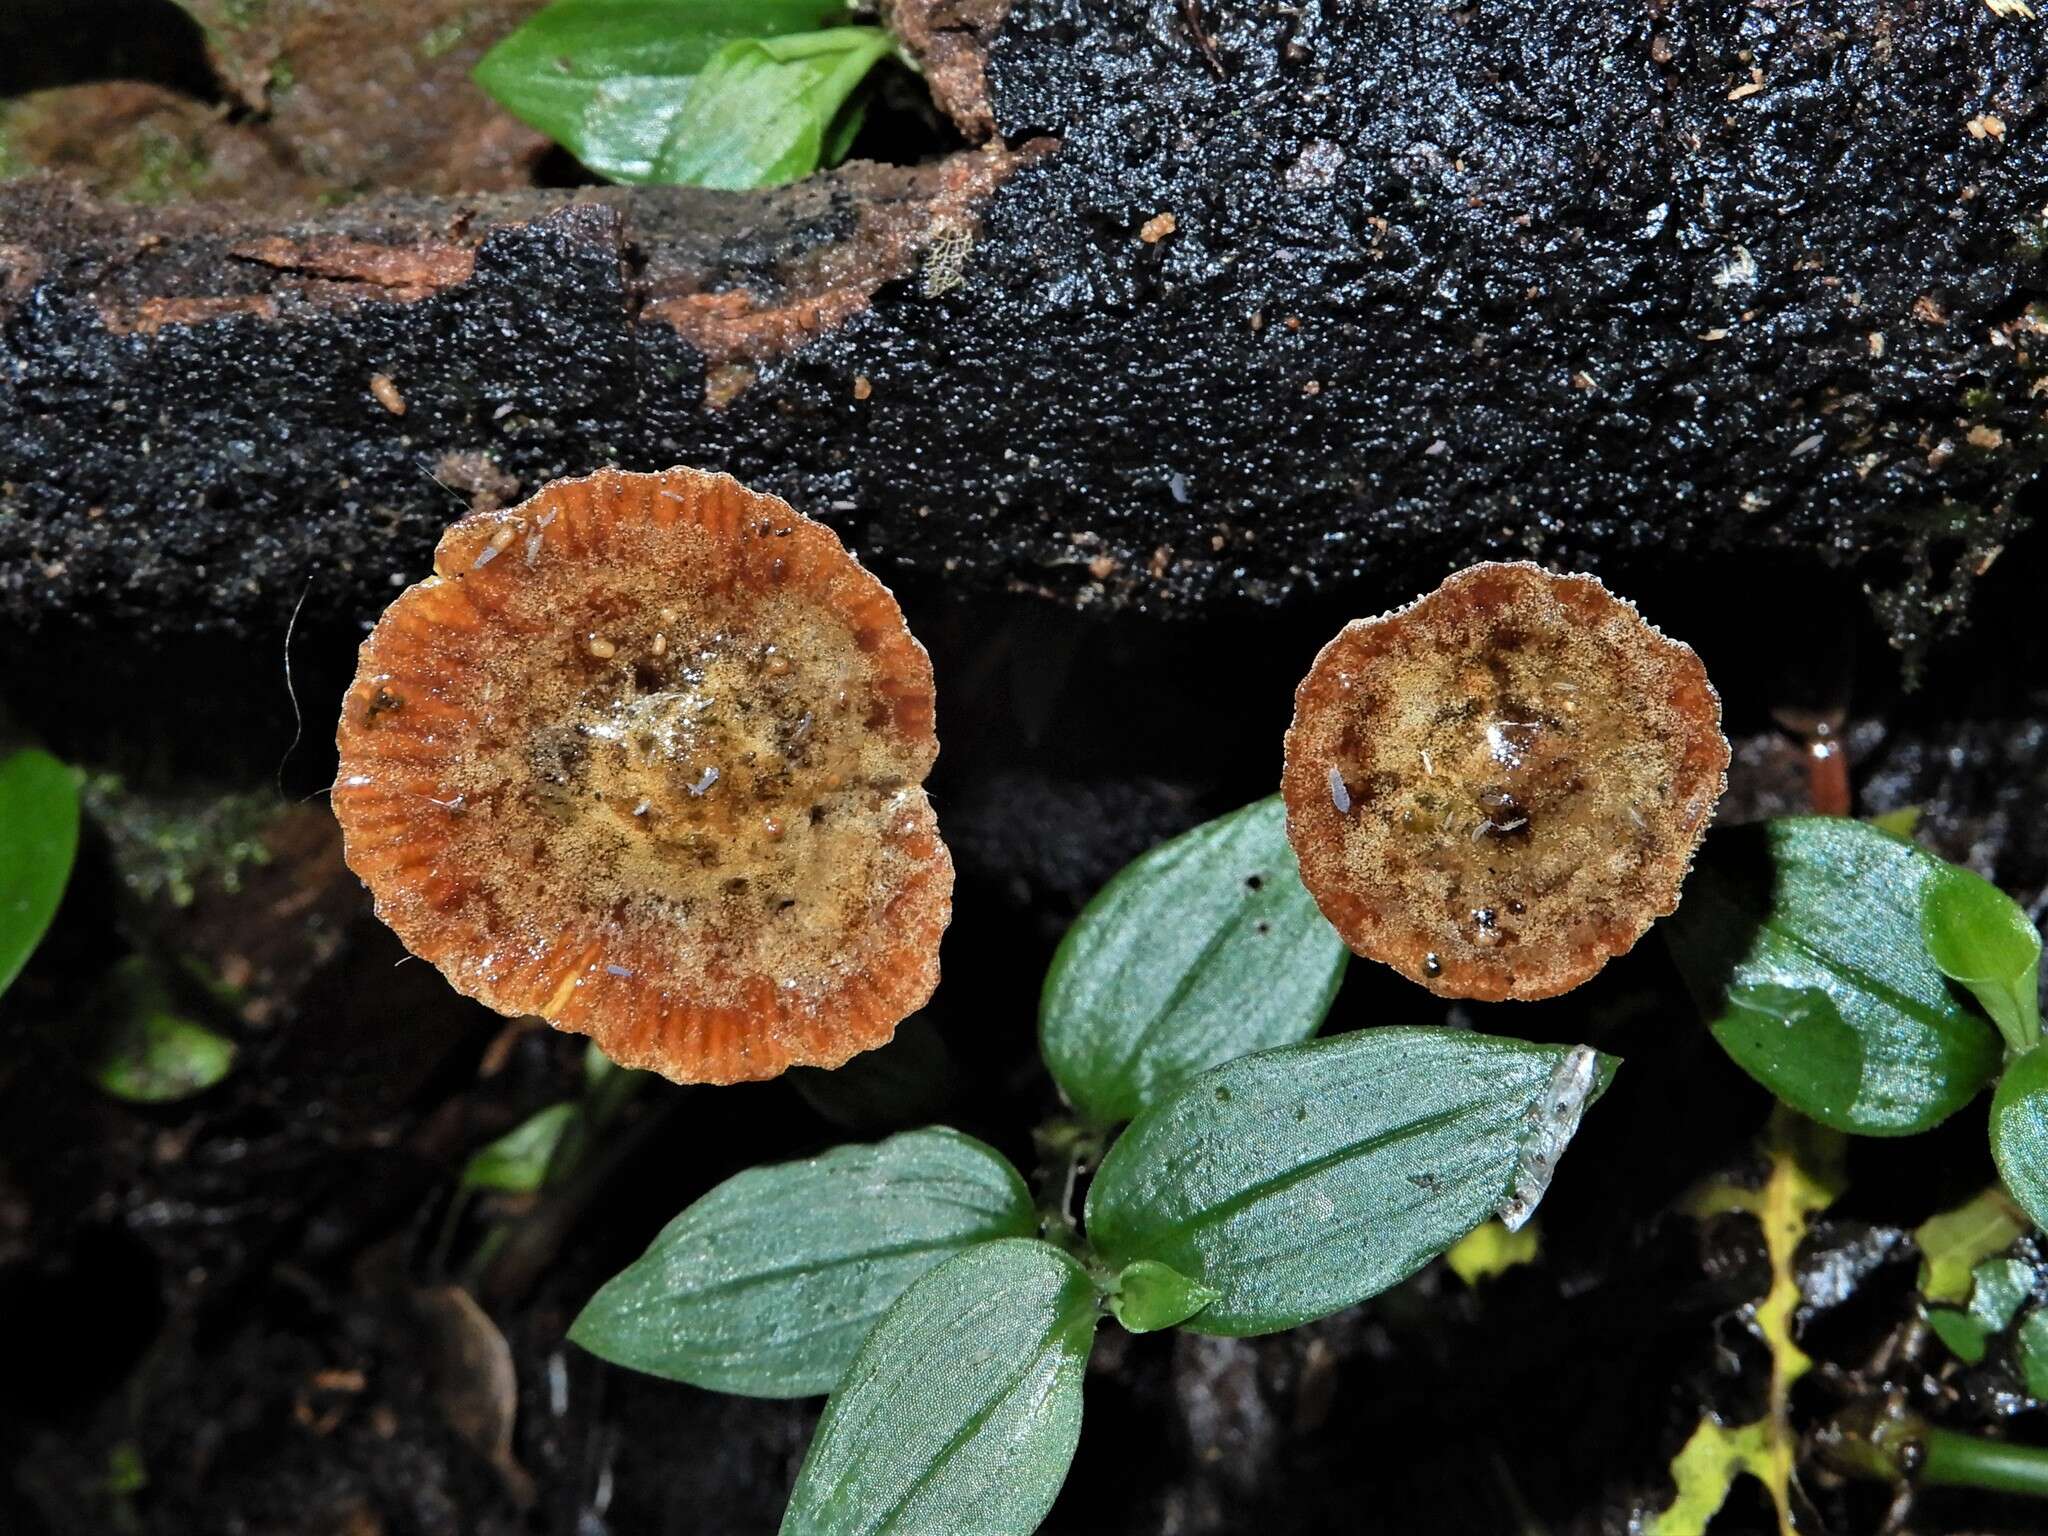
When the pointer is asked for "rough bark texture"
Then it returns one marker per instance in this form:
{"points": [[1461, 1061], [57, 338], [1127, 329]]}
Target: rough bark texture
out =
{"points": [[1581, 280]]}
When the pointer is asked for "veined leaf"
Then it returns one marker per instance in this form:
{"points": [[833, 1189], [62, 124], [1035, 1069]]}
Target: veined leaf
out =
{"points": [[2019, 1132], [763, 111], [1203, 950], [1801, 943], [1982, 938], [961, 1411], [768, 1284], [1303, 1179], [38, 840], [607, 79]]}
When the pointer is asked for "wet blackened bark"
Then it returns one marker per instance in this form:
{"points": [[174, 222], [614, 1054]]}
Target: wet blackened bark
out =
{"points": [[1259, 301]]}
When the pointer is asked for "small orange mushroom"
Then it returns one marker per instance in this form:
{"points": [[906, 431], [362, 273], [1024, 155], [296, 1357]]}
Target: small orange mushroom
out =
{"points": [[1499, 787], [645, 757]]}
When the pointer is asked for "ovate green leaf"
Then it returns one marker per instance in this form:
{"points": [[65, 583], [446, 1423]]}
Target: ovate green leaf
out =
{"points": [[149, 1054], [1149, 1296], [608, 78], [1203, 950], [763, 111], [1304, 1179], [1801, 943], [2033, 1352], [768, 1284], [2019, 1132], [1982, 938], [517, 1162], [960, 1414], [38, 840]]}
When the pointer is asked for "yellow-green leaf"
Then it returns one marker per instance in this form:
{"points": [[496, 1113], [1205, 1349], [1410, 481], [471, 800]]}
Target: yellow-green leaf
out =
{"points": [[1804, 1178], [1491, 1249], [1953, 1243]]}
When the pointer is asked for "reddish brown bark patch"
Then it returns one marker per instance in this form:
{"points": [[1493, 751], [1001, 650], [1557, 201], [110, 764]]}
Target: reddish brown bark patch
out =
{"points": [[950, 41], [149, 316], [404, 272], [903, 215], [1500, 787], [645, 757]]}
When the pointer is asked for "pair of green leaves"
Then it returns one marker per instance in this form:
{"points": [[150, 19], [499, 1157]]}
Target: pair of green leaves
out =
{"points": [[1870, 985], [906, 1279], [1249, 1193], [711, 93]]}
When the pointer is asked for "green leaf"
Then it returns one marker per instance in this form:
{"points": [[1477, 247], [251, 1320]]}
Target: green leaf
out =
{"points": [[1149, 1295], [2033, 1353], [1953, 1243], [517, 1162], [1304, 1179], [2000, 1287], [760, 113], [38, 840], [768, 1284], [1800, 941], [1981, 937], [607, 79], [961, 1411], [149, 1054], [1966, 1337], [1203, 950], [2019, 1132]]}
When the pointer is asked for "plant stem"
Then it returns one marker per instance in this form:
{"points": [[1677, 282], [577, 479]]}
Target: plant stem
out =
{"points": [[1957, 1460]]}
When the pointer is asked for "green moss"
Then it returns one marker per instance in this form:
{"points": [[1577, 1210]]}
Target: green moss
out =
{"points": [[243, 13], [1979, 401], [166, 168], [282, 77], [171, 849]]}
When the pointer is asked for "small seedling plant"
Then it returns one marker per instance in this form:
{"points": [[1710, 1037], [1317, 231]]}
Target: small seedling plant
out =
{"points": [[1250, 1179], [1870, 985]]}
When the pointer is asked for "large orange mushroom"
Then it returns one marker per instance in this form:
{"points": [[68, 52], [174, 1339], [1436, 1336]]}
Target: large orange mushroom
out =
{"points": [[1499, 787], [645, 757]]}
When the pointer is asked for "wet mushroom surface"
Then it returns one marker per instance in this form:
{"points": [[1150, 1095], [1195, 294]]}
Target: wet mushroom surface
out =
{"points": [[1499, 787], [645, 757]]}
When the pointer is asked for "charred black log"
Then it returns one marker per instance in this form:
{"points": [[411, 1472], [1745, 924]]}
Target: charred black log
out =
{"points": [[1255, 301]]}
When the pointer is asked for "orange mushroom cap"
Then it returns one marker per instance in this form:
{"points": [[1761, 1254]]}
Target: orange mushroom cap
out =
{"points": [[1499, 787], [645, 757]]}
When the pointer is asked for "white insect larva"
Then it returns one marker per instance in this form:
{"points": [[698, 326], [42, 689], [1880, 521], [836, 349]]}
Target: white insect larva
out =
{"points": [[1340, 796]]}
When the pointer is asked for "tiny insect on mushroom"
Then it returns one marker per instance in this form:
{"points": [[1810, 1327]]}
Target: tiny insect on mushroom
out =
{"points": [[1499, 787], [645, 757]]}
